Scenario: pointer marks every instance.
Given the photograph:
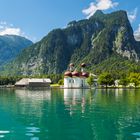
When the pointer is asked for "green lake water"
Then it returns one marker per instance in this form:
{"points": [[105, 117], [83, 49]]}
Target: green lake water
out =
{"points": [[70, 114]]}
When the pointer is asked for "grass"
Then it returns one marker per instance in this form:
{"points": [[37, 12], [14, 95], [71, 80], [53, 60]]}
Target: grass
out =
{"points": [[55, 85]]}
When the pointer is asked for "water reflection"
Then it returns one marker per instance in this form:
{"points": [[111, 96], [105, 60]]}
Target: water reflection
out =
{"points": [[33, 95], [73, 96], [77, 97], [115, 109], [69, 114]]}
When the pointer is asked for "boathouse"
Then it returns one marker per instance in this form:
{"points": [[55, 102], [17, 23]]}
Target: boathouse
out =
{"points": [[33, 82]]}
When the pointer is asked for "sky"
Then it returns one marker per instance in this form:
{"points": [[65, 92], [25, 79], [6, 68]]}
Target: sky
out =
{"points": [[34, 19]]}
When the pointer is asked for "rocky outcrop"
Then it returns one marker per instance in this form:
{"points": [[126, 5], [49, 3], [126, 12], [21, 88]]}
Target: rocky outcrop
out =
{"points": [[95, 40]]}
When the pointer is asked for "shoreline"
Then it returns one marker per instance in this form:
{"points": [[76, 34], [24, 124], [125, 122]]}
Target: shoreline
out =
{"points": [[61, 87]]}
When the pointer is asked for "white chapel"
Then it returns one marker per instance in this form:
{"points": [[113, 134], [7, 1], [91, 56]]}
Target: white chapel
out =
{"points": [[75, 79]]}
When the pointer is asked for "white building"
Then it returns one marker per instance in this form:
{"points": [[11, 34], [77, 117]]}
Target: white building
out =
{"points": [[75, 79]]}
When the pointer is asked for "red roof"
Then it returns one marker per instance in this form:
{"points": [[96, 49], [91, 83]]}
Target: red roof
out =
{"points": [[76, 74], [68, 73], [85, 74]]}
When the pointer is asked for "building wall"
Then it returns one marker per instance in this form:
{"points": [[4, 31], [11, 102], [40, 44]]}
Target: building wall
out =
{"points": [[75, 82], [33, 82], [67, 82], [38, 84]]}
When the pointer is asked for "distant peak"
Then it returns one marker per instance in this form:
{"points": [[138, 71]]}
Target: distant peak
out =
{"points": [[98, 13]]}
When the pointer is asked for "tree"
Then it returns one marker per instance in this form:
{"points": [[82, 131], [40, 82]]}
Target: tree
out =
{"points": [[124, 81], [106, 79], [61, 82], [135, 78], [90, 80]]}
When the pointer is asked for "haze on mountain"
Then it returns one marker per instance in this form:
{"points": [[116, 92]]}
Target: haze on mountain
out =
{"points": [[11, 46], [104, 41]]}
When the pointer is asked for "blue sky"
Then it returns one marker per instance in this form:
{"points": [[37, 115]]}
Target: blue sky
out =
{"points": [[35, 18]]}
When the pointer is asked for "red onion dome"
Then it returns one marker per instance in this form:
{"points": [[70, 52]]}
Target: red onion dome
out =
{"points": [[71, 65], [83, 65], [68, 73], [76, 74], [85, 74]]}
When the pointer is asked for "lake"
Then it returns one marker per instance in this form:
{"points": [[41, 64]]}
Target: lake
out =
{"points": [[66, 114]]}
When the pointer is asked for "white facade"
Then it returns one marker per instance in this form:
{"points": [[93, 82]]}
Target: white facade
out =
{"points": [[67, 82], [75, 82], [75, 79]]}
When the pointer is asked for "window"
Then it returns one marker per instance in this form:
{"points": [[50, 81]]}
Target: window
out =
{"points": [[72, 81]]}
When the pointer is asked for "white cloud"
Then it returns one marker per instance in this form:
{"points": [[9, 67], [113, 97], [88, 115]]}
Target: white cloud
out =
{"points": [[99, 5], [11, 31], [137, 34], [132, 15]]}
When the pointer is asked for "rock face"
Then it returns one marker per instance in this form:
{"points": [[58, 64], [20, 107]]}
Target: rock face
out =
{"points": [[102, 40], [11, 46]]}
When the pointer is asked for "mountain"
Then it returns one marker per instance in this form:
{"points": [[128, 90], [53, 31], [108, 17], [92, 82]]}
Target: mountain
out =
{"points": [[105, 42], [11, 46]]}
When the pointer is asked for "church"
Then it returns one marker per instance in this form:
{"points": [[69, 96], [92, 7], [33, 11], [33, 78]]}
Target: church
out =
{"points": [[75, 79]]}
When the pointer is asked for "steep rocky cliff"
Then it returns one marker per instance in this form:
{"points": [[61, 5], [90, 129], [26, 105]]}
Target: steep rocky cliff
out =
{"points": [[102, 40]]}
